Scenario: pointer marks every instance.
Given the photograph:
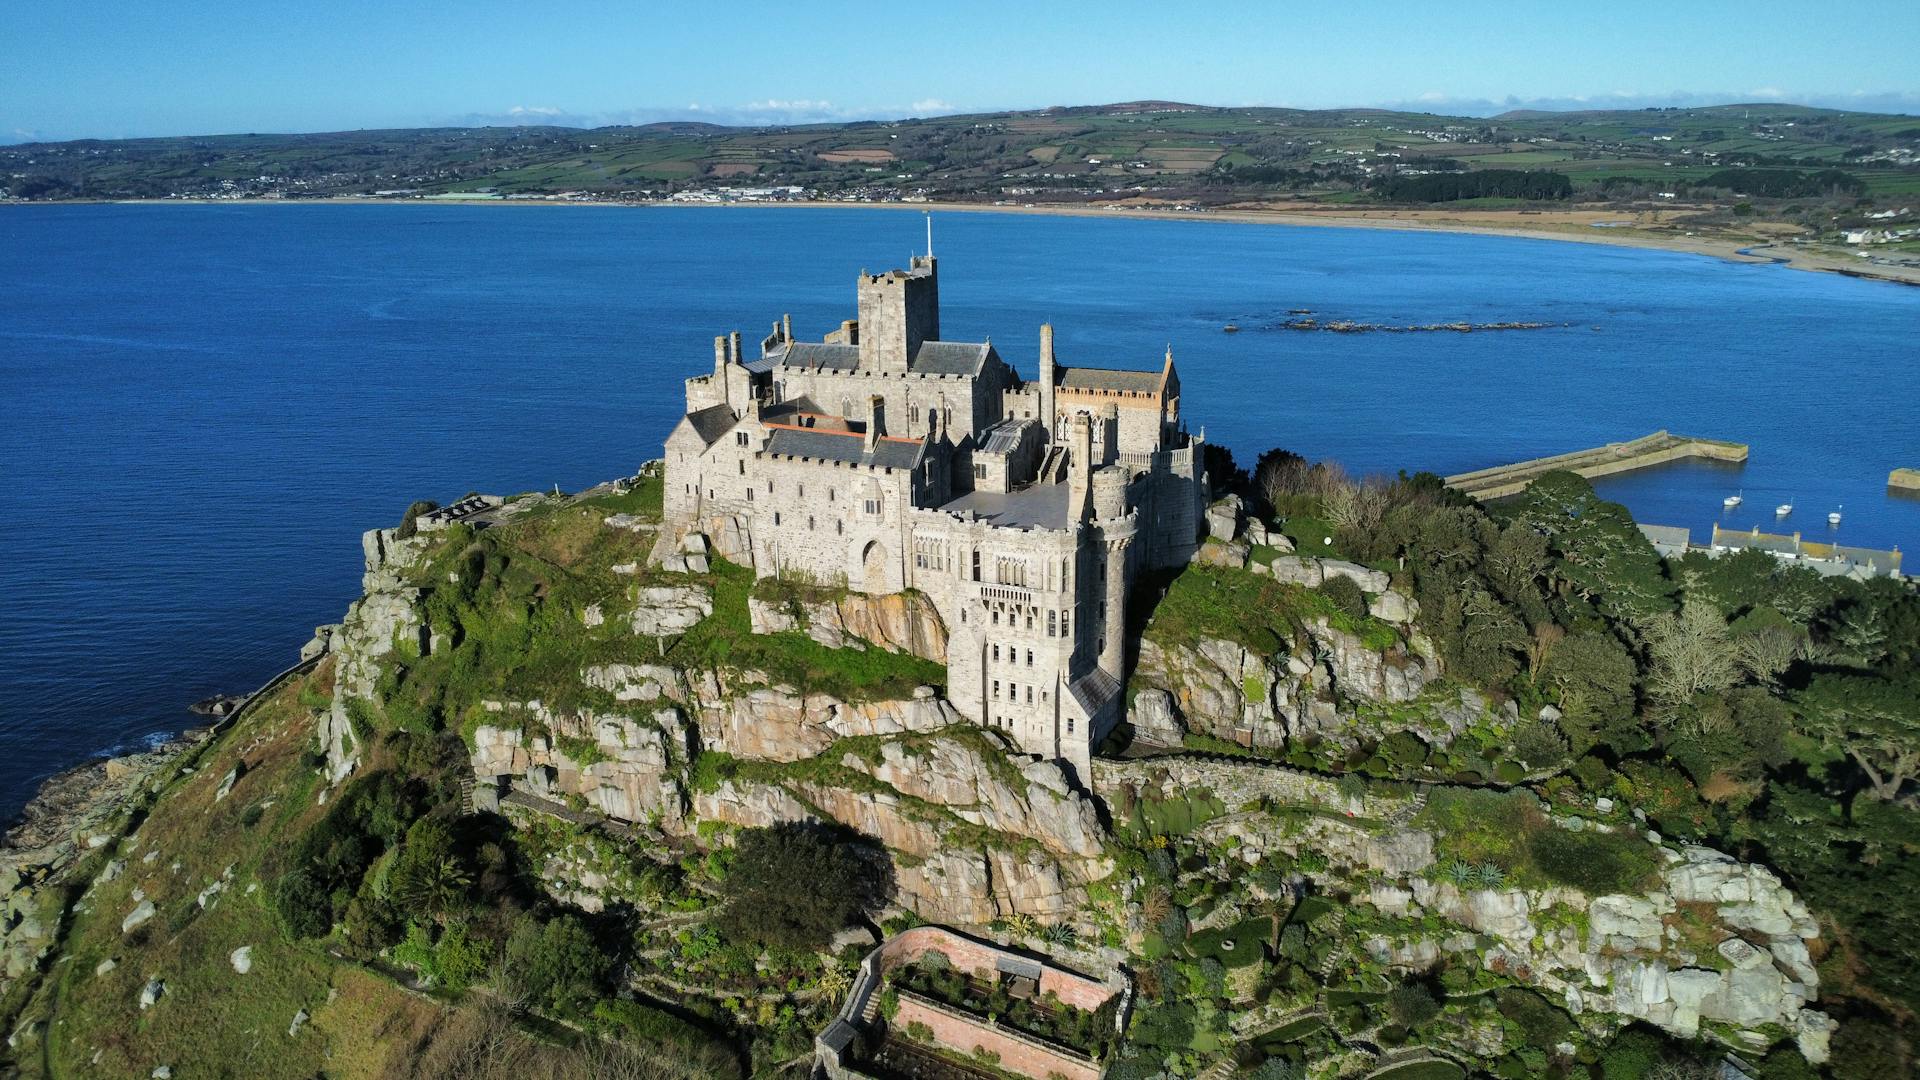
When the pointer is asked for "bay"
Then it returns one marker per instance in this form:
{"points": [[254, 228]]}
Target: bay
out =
{"points": [[205, 405]]}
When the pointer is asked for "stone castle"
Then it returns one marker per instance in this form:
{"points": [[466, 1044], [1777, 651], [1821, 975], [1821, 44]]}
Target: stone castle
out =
{"points": [[884, 459]]}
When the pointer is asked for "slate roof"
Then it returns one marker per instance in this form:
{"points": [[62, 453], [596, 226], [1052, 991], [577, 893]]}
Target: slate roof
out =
{"points": [[890, 453], [1004, 436], [1094, 689], [711, 422], [1043, 506], [1085, 378], [931, 358], [816, 356], [948, 358]]}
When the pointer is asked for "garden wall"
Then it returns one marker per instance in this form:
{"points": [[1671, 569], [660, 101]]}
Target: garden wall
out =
{"points": [[968, 1034]]}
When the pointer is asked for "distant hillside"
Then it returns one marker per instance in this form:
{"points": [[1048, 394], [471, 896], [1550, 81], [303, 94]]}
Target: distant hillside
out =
{"points": [[1143, 151]]}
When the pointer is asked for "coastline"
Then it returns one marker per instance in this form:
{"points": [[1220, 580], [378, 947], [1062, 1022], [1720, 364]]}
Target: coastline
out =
{"points": [[1630, 229]]}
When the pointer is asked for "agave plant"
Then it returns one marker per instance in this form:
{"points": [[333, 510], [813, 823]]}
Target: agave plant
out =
{"points": [[1462, 873], [1062, 935], [1491, 876], [834, 981], [1021, 924]]}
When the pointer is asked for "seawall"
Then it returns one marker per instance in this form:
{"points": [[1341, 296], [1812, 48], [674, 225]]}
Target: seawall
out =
{"points": [[1647, 451]]}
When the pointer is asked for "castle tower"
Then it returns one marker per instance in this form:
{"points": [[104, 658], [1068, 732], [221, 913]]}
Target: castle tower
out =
{"points": [[1117, 530], [1047, 376], [898, 310]]}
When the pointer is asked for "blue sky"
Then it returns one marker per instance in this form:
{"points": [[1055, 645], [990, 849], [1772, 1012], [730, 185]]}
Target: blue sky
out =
{"points": [[114, 69]]}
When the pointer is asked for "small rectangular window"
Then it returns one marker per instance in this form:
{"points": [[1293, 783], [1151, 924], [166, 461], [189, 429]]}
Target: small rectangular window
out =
{"points": [[1069, 725]]}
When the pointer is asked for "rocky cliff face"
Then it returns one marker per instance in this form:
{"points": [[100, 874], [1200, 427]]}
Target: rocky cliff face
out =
{"points": [[1714, 941], [978, 833], [898, 622], [385, 618]]}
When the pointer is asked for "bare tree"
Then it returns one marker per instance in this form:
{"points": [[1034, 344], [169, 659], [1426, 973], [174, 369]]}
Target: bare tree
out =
{"points": [[1764, 654], [1691, 653], [1356, 506]]}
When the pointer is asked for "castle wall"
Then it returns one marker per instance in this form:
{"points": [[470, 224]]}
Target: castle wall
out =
{"points": [[1015, 632], [1031, 612]]}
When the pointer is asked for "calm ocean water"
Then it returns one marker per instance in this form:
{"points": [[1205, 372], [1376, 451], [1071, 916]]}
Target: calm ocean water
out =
{"points": [[205, 406]]}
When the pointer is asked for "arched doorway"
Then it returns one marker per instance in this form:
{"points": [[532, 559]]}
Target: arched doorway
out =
{"points": [[873, 568]]}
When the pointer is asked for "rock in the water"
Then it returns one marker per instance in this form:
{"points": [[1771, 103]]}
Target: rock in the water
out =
{"points": [[242, 959]]}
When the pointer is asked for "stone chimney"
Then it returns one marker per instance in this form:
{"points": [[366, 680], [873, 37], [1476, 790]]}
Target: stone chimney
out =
{"points": [[1046, 379], [876, 421], [1079, 467]]}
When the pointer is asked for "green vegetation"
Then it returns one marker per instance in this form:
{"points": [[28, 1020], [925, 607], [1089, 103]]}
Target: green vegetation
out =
{"points": [[1508, 830], [1485, 183], [795, 885], [1257, 612], [1179, 155]]}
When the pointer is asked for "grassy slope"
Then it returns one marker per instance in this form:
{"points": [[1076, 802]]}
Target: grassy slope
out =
{"points": [[212, 1021]]}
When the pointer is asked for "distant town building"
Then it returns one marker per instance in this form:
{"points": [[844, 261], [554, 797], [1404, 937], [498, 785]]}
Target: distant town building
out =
{"points": [[1831, 560]]}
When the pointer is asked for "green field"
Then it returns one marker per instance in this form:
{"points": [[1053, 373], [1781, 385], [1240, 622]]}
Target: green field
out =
{"points": [[1156, 149]]}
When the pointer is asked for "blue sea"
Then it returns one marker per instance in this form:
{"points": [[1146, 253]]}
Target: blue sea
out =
{"points": [[204, 406]]}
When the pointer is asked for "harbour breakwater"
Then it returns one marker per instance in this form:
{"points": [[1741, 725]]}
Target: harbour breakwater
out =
{"points": [[1658, 448]]}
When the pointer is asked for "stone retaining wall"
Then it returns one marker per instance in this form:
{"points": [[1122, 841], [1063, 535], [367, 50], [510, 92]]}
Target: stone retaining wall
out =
{"points": [[970, 1034]]}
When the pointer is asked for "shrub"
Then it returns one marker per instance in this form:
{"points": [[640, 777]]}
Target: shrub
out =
{"points": [[1509, 772], [304, 904], [1345, 595], [1412, 1004], [1544, 1024], [1592, 774], [555, 964], [1595, 862], [410, 521], [795, 884], [1540, 745]]}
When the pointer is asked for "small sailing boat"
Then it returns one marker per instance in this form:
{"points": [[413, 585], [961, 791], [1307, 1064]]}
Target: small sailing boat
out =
{"points": [[1732, 500], [1834, 518], [1783, 509]]}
